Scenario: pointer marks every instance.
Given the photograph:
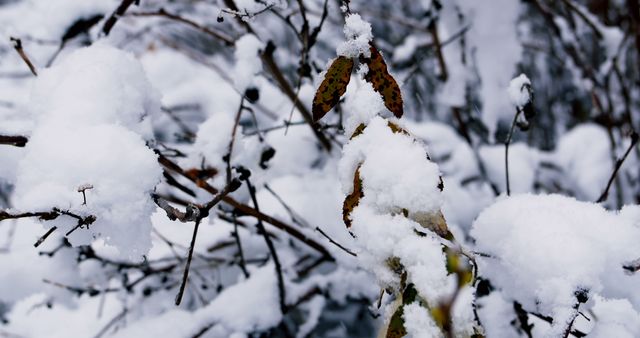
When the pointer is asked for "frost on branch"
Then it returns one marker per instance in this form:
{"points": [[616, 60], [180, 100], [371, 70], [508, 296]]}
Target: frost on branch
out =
{"points": [[92, 115]]}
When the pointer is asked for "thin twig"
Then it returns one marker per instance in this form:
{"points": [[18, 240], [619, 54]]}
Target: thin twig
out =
{"points": [[247, 210], [336, 243], [506, 149], [115, 16], [17, 44], [17, 141], [201, 213], [44, 237], [619, 162], [112, 322], [243, 264], [229, 41], [272, 249], [185, 275], [227, 158]]}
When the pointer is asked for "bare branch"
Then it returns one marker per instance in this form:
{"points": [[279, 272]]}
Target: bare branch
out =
{"points": [[17, 44]]}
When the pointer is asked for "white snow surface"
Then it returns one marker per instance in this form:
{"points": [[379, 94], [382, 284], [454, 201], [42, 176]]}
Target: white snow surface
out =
{"points": [[542, 249], [92, 113], [358, 34]]}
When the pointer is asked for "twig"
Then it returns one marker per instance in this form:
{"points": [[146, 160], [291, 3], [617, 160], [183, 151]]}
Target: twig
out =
{"points": [[17, 141], [433, 30], [247, 210], [272, 249], [227, 158], [185, 275], [506, 149], [336, 243], [43, 215], [201, 213], [17, 44], [243, 264], [619, 162], [581, 297], [112, 322], [44, 237], [272, 67], [229, 41], [115, 16]]}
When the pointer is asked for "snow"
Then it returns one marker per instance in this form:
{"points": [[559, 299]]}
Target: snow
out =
{"points": [[394, 168], [231, 312], [48, 20], [396, 176], [518, 92], [92, 112], [363, 105], [358, 34], [572, 156], [616, 318], [419, 323], [523, 162], [543, 248], [94, 119], [494, 30], [247, 61]]}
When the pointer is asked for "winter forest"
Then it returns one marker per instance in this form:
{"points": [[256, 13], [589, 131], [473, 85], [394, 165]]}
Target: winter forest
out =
{"points": [[319, 168]]}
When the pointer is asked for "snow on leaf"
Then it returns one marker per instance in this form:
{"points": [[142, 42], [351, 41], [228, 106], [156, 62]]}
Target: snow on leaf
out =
{"points": [[332, 87]]}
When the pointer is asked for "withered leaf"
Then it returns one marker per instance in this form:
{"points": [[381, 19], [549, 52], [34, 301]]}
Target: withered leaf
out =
{"points": [[379, 77], [396, 328], [351, 201], [332, 87]]}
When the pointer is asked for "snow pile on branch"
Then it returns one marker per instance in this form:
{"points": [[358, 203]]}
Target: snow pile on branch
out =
{"points": [[358, 34], [91, 113], [364, 105], [394, 168], [397, 221], [554, 255], [518, 91]]}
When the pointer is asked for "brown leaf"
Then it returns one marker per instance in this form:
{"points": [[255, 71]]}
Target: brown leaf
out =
{"points": [[351, 201], [332, 87], [379, 77]]}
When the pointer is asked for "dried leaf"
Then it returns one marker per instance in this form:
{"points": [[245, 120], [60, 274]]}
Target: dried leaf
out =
{"points": [[379, 77], [332, 87], [359, 130], [351, 201], [433, 221], [396, 323]]}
